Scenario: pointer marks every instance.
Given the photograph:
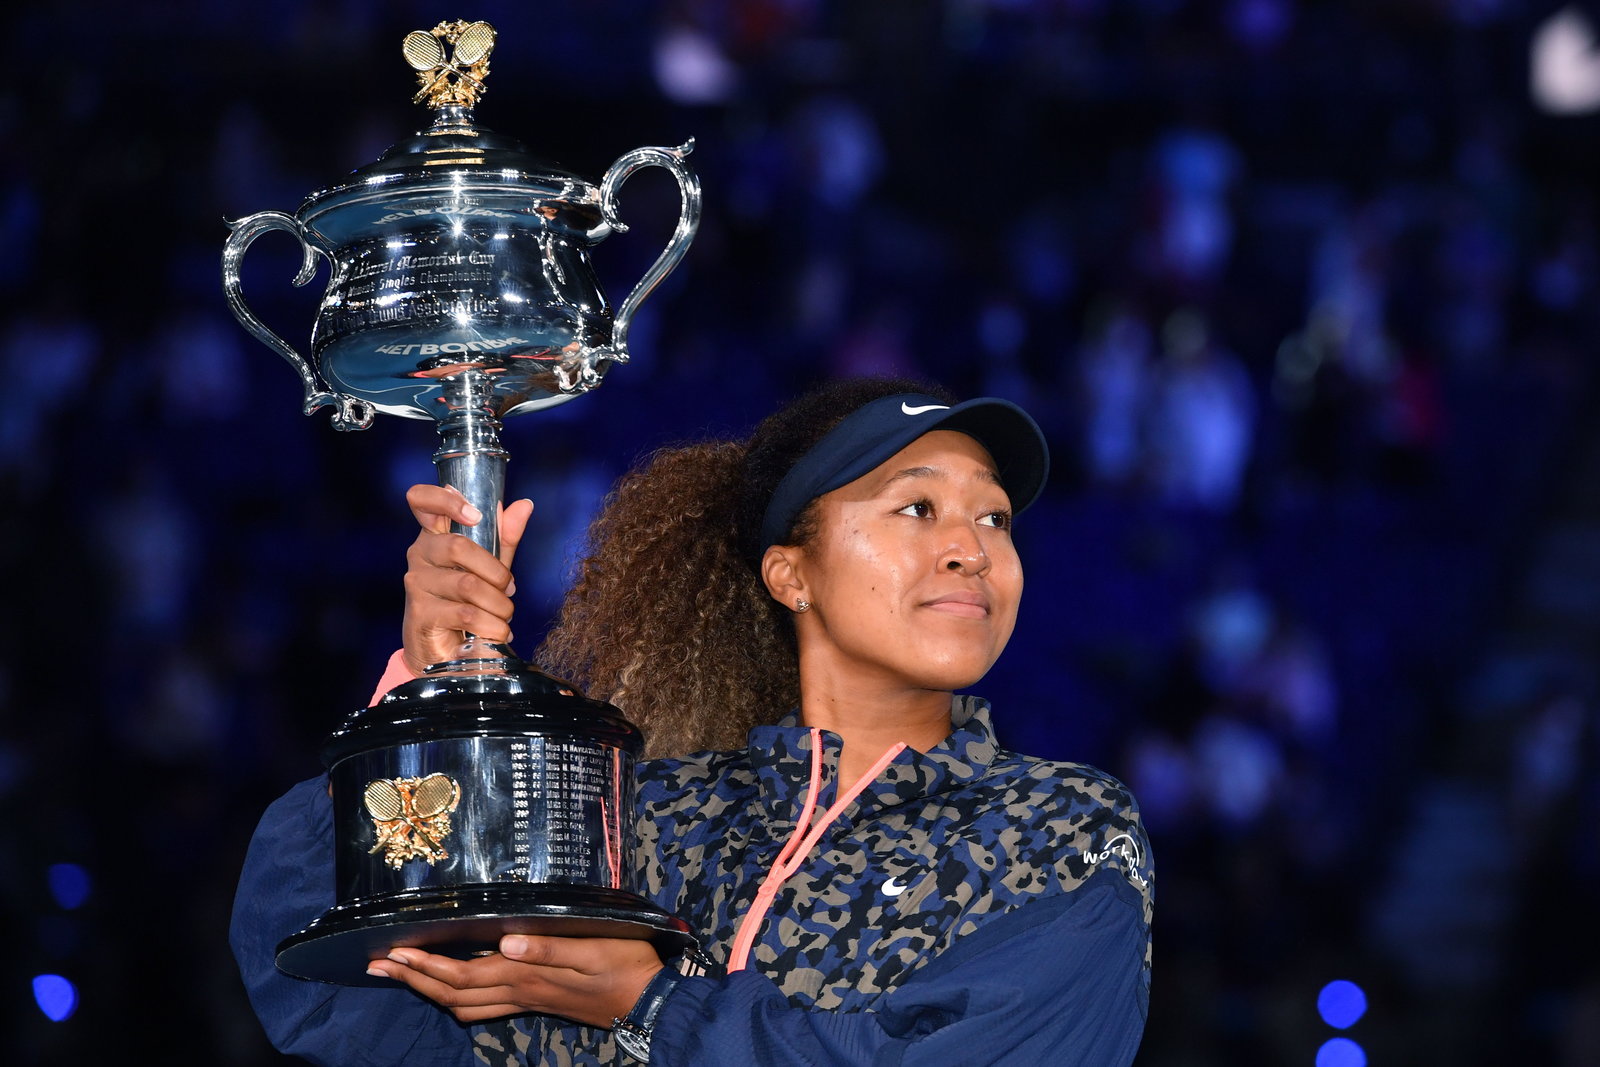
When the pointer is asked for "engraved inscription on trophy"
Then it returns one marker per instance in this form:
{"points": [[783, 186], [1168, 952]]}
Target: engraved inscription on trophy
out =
{"points": [[385, 287], [572, 793], [575, 834], [377, 283], [455, 293], [522, 772]]}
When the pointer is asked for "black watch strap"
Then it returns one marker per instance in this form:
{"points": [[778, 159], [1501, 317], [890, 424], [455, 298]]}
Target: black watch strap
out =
{"points": [[634, 1030]]}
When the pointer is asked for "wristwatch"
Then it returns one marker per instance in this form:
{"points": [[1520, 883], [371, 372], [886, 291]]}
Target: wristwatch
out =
{"points": [[633, 1030]]}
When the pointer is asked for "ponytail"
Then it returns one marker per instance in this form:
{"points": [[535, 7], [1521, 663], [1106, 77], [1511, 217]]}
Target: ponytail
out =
{"points": [[667, 619]]}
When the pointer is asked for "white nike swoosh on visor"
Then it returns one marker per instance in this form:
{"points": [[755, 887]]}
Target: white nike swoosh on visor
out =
{"points": [[926, 407]]}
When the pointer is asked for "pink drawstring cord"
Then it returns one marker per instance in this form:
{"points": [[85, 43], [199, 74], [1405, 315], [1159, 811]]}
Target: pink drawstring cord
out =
{"points": [[800, 844]]}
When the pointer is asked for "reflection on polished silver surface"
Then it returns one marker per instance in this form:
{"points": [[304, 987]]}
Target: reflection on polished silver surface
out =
{"points": [[534, 808], [484, 798], [458, 249], [537, 786]]}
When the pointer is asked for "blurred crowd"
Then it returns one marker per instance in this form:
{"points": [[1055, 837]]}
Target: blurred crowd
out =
{"points": [[1301, 291]]}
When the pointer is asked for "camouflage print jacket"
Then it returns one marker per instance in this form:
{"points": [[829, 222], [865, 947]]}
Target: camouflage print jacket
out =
{"points": [[972, 906]]}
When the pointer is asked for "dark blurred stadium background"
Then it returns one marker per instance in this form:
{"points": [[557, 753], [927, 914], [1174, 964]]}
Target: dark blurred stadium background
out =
{"points": [[1302, 291]]}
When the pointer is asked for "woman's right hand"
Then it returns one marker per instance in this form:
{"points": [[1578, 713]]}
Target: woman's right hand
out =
{"points": [[453, 585]]}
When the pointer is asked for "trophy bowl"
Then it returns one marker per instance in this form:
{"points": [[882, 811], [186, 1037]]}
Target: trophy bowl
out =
{"points": [[458, 249], [484, 798]]}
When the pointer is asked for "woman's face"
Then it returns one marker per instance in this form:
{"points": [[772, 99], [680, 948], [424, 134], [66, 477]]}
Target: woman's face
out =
{"points": [[912, 575]]}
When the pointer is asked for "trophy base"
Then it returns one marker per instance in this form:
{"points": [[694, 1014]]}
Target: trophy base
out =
{"points": [[467, 921]]}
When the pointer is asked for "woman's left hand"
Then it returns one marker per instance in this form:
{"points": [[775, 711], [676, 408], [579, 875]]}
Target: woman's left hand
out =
{"points": [[589, 980]]}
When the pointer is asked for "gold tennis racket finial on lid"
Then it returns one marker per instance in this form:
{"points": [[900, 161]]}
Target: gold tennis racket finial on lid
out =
{"points": [[451, 61]]}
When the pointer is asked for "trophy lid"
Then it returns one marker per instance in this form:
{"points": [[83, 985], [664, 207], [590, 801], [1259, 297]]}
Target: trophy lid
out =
{"points": [[455, 156]]}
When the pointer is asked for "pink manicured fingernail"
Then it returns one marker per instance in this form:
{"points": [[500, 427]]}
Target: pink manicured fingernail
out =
{"points": [[513, 945], [398, 958], [472, 513], [377, 973], [511, 590]]}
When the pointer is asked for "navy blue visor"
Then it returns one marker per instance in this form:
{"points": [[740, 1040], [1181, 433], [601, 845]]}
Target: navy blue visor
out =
{"points": [[877, 430]]}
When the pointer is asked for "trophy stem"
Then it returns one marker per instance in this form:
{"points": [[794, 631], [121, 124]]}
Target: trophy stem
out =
{"points": [[470, 457]]}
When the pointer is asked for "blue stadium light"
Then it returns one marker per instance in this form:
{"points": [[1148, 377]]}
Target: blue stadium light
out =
{"points": [[1341, 1004], [69, 884], [1341, 1052], [56, 997]]}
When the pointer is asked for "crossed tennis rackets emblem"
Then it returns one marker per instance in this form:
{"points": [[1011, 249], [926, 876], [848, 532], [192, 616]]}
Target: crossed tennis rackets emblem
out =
{"points": [[411, 817], [451, 61]]}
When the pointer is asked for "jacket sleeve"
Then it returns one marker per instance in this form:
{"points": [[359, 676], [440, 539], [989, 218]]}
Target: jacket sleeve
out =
{"points": [[288, 881], [1059, 981]]}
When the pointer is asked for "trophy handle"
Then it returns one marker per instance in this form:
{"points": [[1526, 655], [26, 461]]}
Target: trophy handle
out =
{"points": [[349, 412], [688, 223]]}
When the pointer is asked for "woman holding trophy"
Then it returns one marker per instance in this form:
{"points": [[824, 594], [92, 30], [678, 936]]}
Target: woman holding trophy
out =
{"points": [[869, 876]]}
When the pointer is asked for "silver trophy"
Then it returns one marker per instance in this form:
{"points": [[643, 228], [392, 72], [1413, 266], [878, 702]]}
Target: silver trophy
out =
{"points": [[485, 797]]}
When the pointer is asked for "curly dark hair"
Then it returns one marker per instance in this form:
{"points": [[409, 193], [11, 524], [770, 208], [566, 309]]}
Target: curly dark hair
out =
{"points": [[669, 618]]}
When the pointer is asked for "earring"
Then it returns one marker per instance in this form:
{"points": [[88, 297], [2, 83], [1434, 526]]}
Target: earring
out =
{"points": [[801, 606]]}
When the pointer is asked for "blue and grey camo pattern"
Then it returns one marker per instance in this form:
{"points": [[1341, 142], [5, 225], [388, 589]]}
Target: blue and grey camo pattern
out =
{"points": [[942, 843]]}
